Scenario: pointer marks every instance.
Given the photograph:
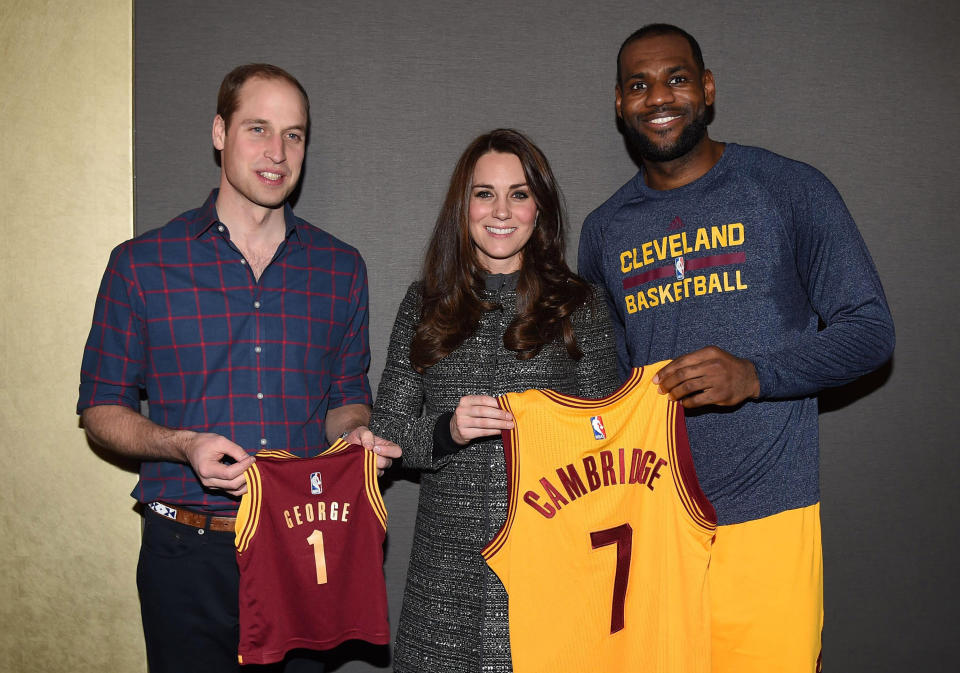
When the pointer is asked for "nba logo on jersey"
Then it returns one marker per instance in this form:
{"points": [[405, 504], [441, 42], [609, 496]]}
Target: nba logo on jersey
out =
{"points": [[679, 266], [599, 432], [316, 487]]}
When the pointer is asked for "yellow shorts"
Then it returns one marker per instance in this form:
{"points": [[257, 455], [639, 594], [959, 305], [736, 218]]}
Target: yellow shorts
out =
{"points": [[766, 583]]}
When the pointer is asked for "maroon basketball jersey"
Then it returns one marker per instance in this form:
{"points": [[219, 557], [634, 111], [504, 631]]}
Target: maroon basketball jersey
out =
{"points": [[309, 544]]}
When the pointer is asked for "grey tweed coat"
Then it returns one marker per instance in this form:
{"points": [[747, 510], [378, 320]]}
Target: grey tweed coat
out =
{"points": [[454, 615]]}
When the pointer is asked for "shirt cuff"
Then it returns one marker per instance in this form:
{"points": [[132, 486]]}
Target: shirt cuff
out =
{"points": [[443, 444], [766, 376]]}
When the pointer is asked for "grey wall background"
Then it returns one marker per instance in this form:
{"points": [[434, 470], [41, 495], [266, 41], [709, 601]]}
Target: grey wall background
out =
{"points": [[865, 91]]}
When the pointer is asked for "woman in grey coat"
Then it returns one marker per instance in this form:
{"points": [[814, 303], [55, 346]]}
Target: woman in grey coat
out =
{"points": [[497, 310]]}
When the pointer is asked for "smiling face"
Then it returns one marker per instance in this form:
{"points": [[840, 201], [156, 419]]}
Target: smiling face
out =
{"points": [[663, 97], [261, 153], [502, 212]]}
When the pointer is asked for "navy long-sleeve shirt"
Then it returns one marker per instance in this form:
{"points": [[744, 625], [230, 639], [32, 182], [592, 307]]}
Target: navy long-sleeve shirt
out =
{"points": [[754, 257]]}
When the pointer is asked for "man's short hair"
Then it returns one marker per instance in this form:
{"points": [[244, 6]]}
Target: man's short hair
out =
{"points": [[228, 98], [656, 30]]}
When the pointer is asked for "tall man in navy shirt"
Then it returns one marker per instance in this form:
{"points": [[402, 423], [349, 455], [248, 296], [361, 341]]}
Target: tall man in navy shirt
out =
{"points": [[728, 259], [246, 328]]}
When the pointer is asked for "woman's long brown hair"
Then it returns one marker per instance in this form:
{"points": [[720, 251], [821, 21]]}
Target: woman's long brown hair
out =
{"points": [[548, 292]]}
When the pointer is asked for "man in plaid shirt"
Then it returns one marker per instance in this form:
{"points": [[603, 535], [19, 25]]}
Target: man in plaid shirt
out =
{"points": [[246, 328]]}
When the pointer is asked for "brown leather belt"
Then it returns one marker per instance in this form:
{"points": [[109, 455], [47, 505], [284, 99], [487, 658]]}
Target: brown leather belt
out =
{"points": [[195, 519]]}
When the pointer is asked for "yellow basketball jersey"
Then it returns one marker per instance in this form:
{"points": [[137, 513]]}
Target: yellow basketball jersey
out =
{"points": [[606, 545]]}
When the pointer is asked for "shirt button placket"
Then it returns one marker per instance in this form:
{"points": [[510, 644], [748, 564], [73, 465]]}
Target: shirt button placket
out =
{"points": [[256, 349]]}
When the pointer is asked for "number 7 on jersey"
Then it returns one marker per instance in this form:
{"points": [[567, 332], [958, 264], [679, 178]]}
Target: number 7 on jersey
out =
{"points": [[622, 536]]}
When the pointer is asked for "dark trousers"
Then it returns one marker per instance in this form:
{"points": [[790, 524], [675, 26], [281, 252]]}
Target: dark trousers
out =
{"points": [[189, 587]]}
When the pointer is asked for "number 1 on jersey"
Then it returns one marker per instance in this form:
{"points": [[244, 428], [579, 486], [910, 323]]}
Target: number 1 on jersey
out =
{"points": [[316, 541], [622, 536]]}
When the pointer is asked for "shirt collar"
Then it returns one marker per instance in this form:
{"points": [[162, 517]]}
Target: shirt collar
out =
{"points": [[206, 217], [502, 282]]}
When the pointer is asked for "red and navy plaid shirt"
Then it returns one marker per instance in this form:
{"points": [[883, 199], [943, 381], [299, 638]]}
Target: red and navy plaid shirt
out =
{"points": [[180, 317]]}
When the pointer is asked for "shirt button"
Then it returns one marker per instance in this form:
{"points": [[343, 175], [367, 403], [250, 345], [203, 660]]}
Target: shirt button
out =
{"points": [[220, 228], [259, 396], [200, 532], [263, 441], [257, 349], [256, 304], [243, 261]]}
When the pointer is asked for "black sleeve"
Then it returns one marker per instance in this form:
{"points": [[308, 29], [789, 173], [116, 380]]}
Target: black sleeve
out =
{"points": [[443, 444]]}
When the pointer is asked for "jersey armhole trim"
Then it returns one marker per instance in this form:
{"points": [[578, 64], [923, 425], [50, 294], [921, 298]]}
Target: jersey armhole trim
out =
{"points": [[372, 488], [510, 458], [687, 484], [248, 515]]}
